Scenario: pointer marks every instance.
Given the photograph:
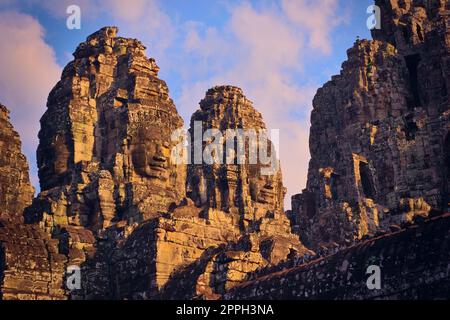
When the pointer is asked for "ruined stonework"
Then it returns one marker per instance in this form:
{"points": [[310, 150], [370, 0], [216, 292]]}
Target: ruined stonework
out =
{"points": [[379, 137], [30, 266], [241, 188], [232, 224], [104, 155], [141, 225], [103, 152], [16, 191], [114, 199], [414, 266]]}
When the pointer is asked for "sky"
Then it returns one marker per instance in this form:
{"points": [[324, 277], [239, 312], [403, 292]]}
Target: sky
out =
{"points": [[278, 52]]}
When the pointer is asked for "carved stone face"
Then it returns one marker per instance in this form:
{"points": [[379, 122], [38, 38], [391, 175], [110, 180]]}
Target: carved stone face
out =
{"points": [[157, 181], [61, 154], [151, 154], [244, 186], [262, 187]]}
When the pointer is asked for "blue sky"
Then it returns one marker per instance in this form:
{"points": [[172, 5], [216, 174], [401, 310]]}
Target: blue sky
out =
{"points": [[279, 52]]}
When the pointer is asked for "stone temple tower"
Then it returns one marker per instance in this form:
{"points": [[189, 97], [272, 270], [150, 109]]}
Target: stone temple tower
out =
{"points": [[379, 139]]}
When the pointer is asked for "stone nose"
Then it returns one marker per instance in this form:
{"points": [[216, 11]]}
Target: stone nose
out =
{"points": [[269, 184], [159, 154]]}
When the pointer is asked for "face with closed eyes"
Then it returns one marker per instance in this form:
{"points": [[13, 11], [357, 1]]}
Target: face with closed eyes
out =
{"points": [[151, 154], [262, 187]]}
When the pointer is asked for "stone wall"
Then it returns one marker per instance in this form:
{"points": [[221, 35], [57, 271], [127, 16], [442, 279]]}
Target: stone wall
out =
{"points": [[31, 267], [414, 264]]}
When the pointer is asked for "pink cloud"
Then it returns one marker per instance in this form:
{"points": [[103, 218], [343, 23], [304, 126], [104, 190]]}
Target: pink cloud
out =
{"points": [[129, 10], [269, 42], [28, 72], [144, 20], [316, 17]]}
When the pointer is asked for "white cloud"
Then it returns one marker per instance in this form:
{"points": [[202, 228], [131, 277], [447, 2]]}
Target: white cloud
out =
{"points": [[269, 42], [142, 19]]}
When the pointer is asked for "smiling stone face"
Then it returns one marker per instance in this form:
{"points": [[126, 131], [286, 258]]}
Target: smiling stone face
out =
{"points": [[262, 189], [251, 189], [151, 154], [157, 182], [265, 190]]}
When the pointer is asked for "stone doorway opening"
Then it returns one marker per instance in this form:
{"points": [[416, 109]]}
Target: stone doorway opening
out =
{"points": [[412, 63], [366, 180]]}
